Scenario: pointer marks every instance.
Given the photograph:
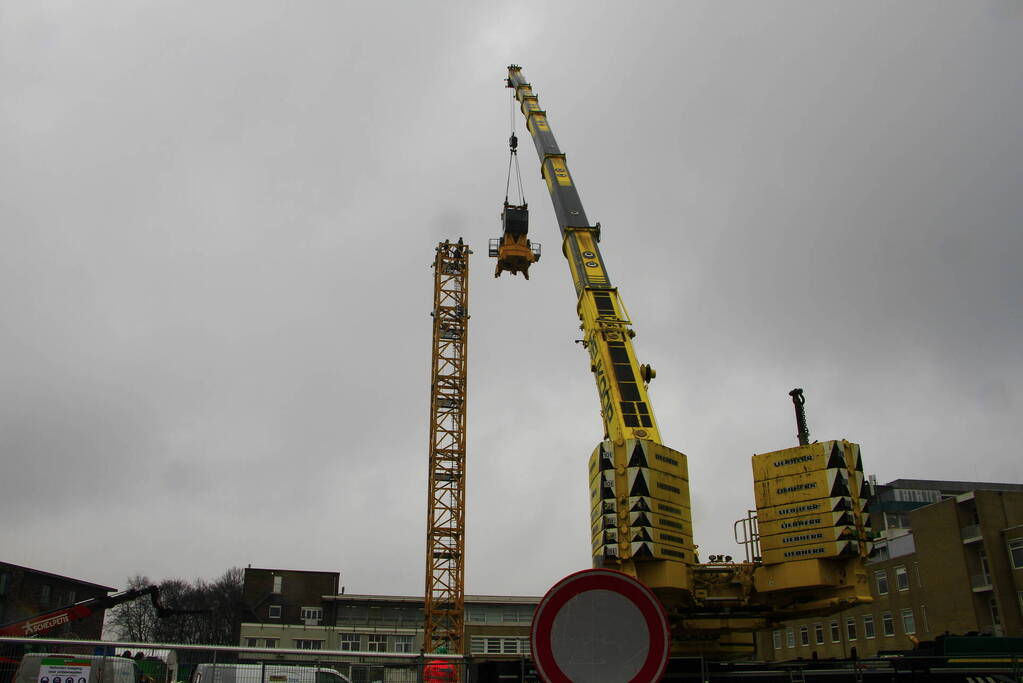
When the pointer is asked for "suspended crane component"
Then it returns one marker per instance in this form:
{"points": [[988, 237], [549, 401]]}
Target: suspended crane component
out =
{"points": [[444, 610], [513, 249], [641, 520]]}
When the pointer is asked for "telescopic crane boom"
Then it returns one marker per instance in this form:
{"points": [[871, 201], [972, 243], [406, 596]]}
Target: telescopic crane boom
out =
{"points": [[813, 529], [635, 480]]}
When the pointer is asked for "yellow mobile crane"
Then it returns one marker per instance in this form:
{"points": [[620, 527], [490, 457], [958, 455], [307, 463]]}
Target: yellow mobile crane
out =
{"points": [[813, 528]]}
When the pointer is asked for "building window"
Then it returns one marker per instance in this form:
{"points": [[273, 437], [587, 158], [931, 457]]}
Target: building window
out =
{"points": [[275, 612], [350, 641], [252, 642], [494, 645], [818, 633], [482, 645], [790, 637], [908, 622], [71, 595], [850, 627], [836, 635], [278, 584], [517, 614], [777, 634], [804, 635], [302, 644], [868, 626], [882, 582], [901, 579], [475, 614], [312, 613], [376, 644], [1016, 552], [985, 568], [887, 624], [4, 580], [880, 553], [44, 595], [271, 642], [355, 614], [403, 643], [919, 579]]}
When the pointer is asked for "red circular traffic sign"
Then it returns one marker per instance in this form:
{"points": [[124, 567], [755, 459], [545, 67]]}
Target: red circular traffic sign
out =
{"points": [[600, 626]]}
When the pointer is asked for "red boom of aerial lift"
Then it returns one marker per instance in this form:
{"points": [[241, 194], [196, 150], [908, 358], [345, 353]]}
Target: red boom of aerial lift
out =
{"points": [[47, 621]]}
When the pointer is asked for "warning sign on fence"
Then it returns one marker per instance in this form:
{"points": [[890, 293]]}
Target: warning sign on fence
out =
{"points": [[64, 670]]}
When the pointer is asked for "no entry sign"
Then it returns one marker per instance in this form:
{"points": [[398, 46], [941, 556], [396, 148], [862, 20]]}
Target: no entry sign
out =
{"points": [[600, 626]]}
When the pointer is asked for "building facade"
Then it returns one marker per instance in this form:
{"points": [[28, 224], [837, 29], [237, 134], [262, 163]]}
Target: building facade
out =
{"points": [[307, 611], [25, 592], [949, 560]]}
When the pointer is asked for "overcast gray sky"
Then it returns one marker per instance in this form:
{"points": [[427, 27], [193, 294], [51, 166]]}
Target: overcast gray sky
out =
{"points": [[217, 220]]}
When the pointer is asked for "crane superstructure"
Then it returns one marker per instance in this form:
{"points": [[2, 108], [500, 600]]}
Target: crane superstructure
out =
{"points": [[641, 519]]}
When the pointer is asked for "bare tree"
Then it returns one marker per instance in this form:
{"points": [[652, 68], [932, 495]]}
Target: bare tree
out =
{"points": [[220, 603], [134, 621], [226, 600]]}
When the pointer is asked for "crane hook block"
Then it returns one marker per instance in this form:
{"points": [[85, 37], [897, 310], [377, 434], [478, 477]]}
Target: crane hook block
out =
{"points": [[513, 249]]}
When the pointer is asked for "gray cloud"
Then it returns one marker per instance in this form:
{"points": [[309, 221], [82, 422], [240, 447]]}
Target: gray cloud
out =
{"points": [[218, 220]]}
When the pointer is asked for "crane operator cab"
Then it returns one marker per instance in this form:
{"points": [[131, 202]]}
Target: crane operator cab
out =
{"points": [[513, 250]]}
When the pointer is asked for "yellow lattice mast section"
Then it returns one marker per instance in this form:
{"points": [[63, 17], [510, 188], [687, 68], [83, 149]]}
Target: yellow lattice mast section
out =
{"points": [[445, 527]]}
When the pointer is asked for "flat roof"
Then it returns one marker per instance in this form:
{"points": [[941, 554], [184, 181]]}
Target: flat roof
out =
{"points": [[293, 571], [61, 577], [951, 486], [469, 599]]}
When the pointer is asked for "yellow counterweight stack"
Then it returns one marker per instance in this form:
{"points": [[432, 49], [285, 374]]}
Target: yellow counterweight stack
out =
{"points": [[640, 510], [813, 525]]}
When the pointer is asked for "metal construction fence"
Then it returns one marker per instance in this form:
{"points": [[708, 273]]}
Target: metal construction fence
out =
{"points": [[173, 663]]}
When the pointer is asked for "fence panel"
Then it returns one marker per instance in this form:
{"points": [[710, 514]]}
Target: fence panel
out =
{"points": [[172, 663]]}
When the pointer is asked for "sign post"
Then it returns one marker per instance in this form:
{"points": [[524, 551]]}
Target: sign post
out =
{"points": [[600, 626]]}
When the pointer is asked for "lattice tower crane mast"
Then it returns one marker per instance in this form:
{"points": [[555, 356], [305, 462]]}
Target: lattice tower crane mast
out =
{"points": [[444, 608]]}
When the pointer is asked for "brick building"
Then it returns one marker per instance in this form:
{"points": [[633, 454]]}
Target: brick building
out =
{"points": [[25, 592], [950, 559], [307, 611]]}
